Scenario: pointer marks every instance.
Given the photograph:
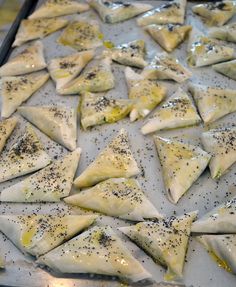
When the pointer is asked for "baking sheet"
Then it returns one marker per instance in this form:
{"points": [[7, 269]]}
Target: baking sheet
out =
{"points": [[200, 270]]}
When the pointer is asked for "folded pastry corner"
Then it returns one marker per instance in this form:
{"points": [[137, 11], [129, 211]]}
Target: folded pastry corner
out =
{"points": [[98, 251], [213, 102], [38, 234], [177, 111], [116, 160], [221, 144], [204, 51], [145, 93], [17, 89], [65, 69], [172, 12], [165, 240], [29, 60], [32, 29], [166, 67], [227, 69], [215, 13], [221, 249], [55, 8], [118, 197], [50, 184], [118, 11], [98, 78], [168, 36], [57, 122], [181, 163], [6, 129], [221, 219], [99, 109], [82, 35], [226, 32], [23, 157]]}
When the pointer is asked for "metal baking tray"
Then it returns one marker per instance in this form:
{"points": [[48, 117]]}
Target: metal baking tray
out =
{"points": [[200, 270]]}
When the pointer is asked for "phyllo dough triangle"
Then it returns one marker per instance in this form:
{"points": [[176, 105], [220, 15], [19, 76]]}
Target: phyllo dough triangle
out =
{"points": [[82, 35], [172, 12], [100, 109], [221, 144], [203, 51], [226, 33], [57, 122], [166, 67], [116, 160], [168, 36], [118, 11], [221, 219], [38, 234], [165, 240], [6, 129], [25, 156], [98, 251], [222, 250], [64, 69], [29, 60], [16, 90], [176, 112], [47, 185], [98, 78], [227, 68], [145, 93], [55, 8], [213, 102], [181, 163], [215, 13], [119, 197], [32, 29], [129, 54]]}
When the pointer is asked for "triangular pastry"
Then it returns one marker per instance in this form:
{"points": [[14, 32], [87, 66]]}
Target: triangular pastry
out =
{"points": [[145, 93], [129, 54], [215, 13], [119, 197], [226, 33], [65, 69], [226, 68], [98, 251], [38, 234], [221, 144], [166, 67], [165, 240], [118, 11], [221, 219], [98, 78], [82, 35], [29, 60], [6, 129], [55, 8], [47, 185], [182, 164], [57, 122], [176, 112], [168, 36], [116, 160], [204, 51], [32, 29], [222, 250], [16, 90], [172, 12], [99, 109], [213, 102], [23, 157]]}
